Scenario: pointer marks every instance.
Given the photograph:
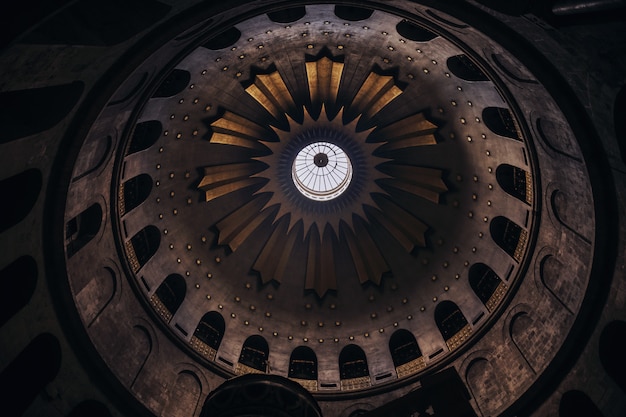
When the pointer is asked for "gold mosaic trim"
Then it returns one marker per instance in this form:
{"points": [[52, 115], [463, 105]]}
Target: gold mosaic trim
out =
{"points": [[459, 338], [355, 383], [496, 297], [241, 369], [120, 198], [411, 367], [202, 348], [160, 308], [309, 384], [132, 256], [529, 187], [521, 245]]}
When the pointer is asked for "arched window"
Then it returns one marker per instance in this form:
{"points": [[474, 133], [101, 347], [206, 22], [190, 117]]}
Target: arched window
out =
{"points": [[21, 192], [353, 370], [143, 246], [135, 191], [463, 67], [406, 354], [501, 122], [208, 335], [612, 347], [452, 324], [287, 15], [414, 32], [169, 296], [145, 135], [303, 363], [254, 355], [576, 403], [81, 229], [515, 181], [176, 81], [353, 13], [487, 285], [18, 281], [224, 39], [509, 236]]}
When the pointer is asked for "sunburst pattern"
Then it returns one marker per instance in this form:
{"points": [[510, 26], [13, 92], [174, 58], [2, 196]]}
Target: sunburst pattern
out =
{"points": [[321, 225]]}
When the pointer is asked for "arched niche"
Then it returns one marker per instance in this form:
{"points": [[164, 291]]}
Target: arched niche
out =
{"points": [[29, 373], [509, 236], [452, 324], [144, 136], [576, 403], [134, 192], [523, 333], [169, 296], [563, 288], [141, 247], [18, 281], [487, 285], [303, 367], [96, 150], [130, 358], [94, 297], [516, 182], [254, 356], [501, 122], [483, 382], [405, 353], [21, 192], [464, 68], [353, 369], [208, 335], [612, 345], [80, 230], [184, 395]]}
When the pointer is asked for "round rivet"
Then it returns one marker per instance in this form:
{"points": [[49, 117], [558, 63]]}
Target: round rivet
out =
{"points": [[275, 334], [474, 249], [457, 276], [218, 259], [381, 330], [366, 335], [209, 275], [160, 216], [337, 323], [373, 315], [290, 337], [409, 317], [268, 314], [446, 288], [405, 300], [238, 299], [433, 278], [303, 323], [422, 309], [252, 308], [248, 285], [198, 262], [198, 286], [351, 337], [434, 299], [208, 297], [480, 234]]}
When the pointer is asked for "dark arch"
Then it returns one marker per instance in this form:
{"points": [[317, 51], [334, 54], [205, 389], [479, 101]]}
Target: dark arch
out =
{"points": [[576, 403], [352, 363], [353, 13], [20, 195], [463, 67], [145, 135], [144, 245], [287, 15], [98, 22], [509, 236], [211, 329], [403, 347], [303, 363], [255, 352], [224, 39], [501, 122], [83, 228], [34, 368], [171, 293], [611, 350], [90, 408], [136, 190], [414, 32], [175, 82], [515, 181], [17, 282], [484, 282], [449, 319], [21, 112]]}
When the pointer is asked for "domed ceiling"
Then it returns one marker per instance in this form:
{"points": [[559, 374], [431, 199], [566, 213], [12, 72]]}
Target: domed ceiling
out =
{"points": [[357, 181]]}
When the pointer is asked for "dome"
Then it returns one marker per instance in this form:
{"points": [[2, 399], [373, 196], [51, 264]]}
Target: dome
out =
{"points": [[373, 201]]}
